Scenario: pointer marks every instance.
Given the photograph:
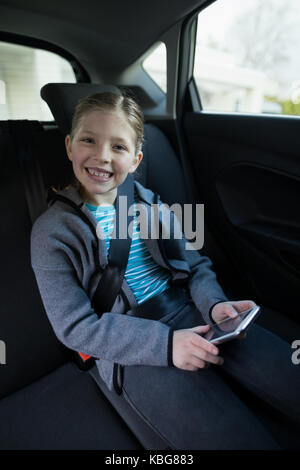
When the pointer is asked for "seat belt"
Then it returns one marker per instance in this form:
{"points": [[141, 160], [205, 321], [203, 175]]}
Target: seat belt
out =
{"points": [[22, 133], [111, 280]]}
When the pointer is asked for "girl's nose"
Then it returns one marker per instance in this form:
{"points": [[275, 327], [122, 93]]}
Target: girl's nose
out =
{"points": [[103, 154]]}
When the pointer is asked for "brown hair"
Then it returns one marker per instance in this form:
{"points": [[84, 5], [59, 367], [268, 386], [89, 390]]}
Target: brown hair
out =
{"points": [[115, 102], [112, 101]]}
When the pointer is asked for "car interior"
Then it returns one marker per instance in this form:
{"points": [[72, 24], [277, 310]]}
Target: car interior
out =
{"points": [[243, 167]]}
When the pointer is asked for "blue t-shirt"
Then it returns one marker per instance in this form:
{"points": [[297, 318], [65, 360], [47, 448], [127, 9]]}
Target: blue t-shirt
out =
{"points": [[144, 276]]}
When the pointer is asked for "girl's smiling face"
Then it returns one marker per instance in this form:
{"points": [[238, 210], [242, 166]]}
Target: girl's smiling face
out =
{"points": [[105, 143]]}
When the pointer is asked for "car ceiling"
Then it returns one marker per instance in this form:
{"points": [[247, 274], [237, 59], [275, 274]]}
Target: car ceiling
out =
{"points": [[112, 33]]}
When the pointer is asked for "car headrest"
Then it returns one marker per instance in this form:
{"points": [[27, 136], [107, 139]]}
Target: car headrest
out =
{"points": [[62, 99]]}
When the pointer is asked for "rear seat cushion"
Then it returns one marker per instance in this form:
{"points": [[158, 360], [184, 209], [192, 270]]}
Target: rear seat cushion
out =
{"points": [[63, 410], [31, 346]]}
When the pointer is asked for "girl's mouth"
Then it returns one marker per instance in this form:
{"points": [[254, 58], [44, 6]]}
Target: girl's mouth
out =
{"points": [[98, 176]]}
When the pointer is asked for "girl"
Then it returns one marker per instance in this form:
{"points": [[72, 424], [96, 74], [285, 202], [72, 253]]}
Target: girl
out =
{"points": [[154, 332]]}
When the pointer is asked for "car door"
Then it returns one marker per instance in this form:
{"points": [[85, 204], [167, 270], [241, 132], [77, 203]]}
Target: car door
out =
{"points": [[245, 158]]}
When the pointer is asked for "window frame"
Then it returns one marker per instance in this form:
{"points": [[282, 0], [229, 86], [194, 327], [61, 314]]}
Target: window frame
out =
{"points": [[81, 75], [194, 94], [187, 87]]}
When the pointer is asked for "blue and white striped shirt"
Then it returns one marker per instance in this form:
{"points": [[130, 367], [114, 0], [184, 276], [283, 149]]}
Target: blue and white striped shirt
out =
{"points": [[144, 276]]}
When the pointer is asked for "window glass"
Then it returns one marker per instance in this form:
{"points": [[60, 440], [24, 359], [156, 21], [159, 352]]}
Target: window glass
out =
{"points": [[23, 72], [246, 56], [156, 65]]}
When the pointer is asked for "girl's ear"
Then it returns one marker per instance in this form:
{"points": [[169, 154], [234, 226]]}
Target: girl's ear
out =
{"points": [[68, 146], [136, 163]]}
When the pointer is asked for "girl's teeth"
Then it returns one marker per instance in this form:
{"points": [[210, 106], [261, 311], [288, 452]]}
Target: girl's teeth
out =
{"points": [[92, 172]]}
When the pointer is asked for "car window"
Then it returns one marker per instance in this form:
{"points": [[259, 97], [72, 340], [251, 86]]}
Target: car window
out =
{"points": [[246, 57], [156, 65], [23, 72]]}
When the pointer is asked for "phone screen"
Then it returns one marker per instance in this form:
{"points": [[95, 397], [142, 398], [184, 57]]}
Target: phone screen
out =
{"points": [[226, 326]]}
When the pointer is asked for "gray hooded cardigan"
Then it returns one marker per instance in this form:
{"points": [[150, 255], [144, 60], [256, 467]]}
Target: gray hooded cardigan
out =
{"points": [[62, 258]]}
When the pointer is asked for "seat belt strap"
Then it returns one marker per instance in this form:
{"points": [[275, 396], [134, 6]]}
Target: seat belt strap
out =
{"points": [[112, 278]]}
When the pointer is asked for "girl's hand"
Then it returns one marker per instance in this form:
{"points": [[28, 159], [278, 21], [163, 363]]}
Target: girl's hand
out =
{"points": [[191, 351], [225, 310]]}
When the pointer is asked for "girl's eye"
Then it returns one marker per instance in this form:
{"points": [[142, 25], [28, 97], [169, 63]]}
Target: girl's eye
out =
{"points": [[119, 147], [88, 140]]}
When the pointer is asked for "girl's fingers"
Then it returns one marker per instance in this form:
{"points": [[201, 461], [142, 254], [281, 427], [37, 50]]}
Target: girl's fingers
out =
{"points": [[198, 363], [242, 305], [207, 357], [200, 329], [202, 343], [234, 308], [230, 311]]}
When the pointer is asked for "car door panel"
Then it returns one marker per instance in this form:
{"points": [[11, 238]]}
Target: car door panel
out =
{"points": [[247, 170]]}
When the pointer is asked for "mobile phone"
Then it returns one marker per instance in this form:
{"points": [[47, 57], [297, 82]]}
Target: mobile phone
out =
{"points": [[232, 328]]}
